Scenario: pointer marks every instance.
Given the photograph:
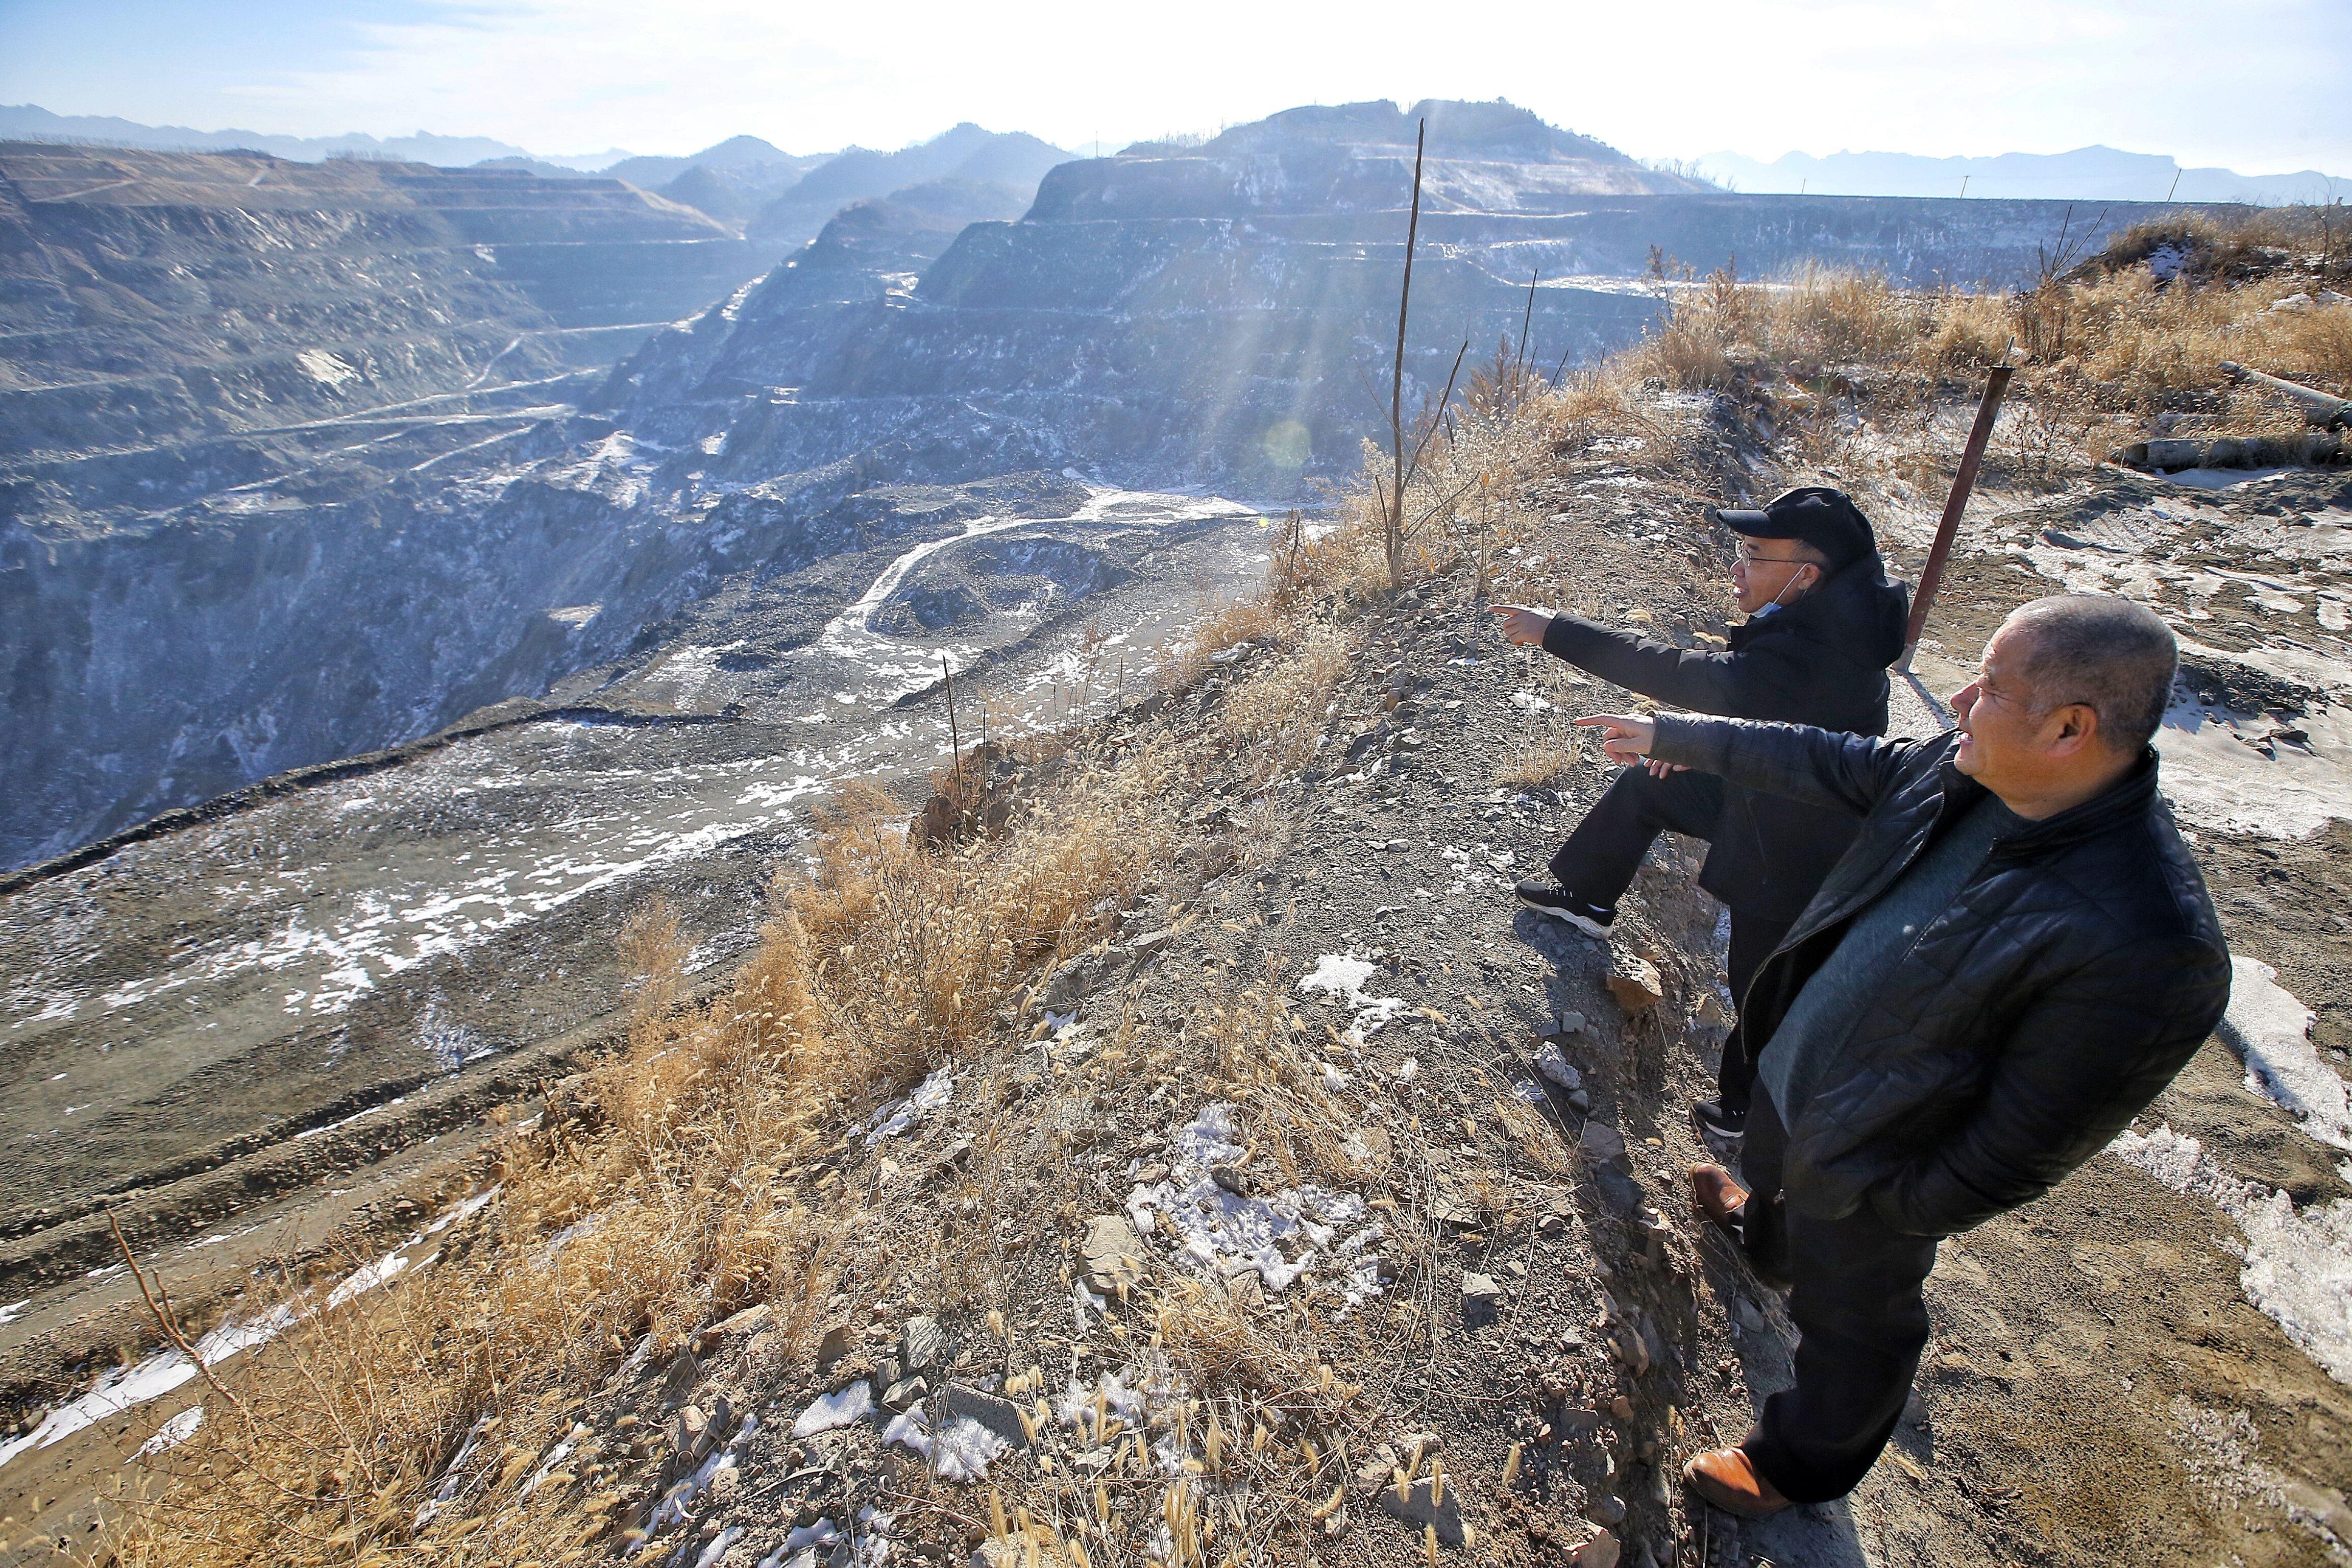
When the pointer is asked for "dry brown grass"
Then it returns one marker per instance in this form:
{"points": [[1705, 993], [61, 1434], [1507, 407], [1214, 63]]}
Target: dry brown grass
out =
{"points": [[2103, 351], [700, 1167]]}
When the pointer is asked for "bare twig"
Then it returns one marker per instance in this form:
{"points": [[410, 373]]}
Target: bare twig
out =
{"points": [[1395, 531], [1435, 419], [1519, 360], [162, 1312]]}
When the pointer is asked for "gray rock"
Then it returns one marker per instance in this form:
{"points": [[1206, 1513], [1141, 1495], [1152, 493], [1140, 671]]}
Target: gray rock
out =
{"points": [[1633, 981], [1480, 1290], [1603, 1142], [1112, 1254], [1600, 1552], [835, 1342], [925, 1344], [959, 1401], [1421, 1506], [906, 1392]]}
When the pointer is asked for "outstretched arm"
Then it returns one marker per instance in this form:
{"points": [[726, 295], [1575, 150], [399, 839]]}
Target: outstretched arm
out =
{"points": [[1730, 683], [1819, 767]]}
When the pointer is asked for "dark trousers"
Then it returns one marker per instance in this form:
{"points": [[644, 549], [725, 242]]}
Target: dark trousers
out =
{"points": [[1861, 1319], [1599, 861]]}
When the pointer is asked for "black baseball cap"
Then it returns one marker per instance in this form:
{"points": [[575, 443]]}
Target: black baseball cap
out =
{"points": [[1823, 518]]}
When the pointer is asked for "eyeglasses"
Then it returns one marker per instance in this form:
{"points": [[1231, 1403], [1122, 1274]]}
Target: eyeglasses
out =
{"points": [[1750, 558]]}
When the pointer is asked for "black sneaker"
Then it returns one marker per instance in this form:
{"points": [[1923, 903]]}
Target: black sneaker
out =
{"points": [[1560, 905], [1721, 1130]]}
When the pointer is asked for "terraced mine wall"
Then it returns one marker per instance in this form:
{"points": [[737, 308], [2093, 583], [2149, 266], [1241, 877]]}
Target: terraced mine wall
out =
{"points": [[154, 297], [296, 463]]}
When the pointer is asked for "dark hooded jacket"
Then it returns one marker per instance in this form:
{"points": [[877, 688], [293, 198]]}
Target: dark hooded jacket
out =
{"points": [[2072, 976], [1822, 660]]}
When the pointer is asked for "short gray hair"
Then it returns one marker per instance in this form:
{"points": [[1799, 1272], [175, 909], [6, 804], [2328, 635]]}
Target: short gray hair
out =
{"points": [[2114, 657]]}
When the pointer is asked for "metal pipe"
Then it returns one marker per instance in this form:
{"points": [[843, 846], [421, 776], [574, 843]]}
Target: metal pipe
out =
{"points": [[2324, 409], [1964, 480]]}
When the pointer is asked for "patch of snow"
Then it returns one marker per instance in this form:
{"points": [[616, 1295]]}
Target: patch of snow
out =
{"points": [[1466, 875], [828, 1411], [899, 1115], [125, 1388], [1110, 1396], [464, 1211], [2270, 1031], [2295, 1264], [872, 1546], [2224, 769], [13, 1310], [960, 1453], [1341, 979], [676, 1505], [552, 1457], [366, 1279], [175, 1432], [801, 1547], [327, 370], [453, 1474], [1282, 1236]]}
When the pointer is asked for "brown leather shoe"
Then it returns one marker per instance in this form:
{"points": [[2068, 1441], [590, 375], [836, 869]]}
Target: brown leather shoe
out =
{"points": [[1718, 1198], [1725, 1478], [1724, 1204]]}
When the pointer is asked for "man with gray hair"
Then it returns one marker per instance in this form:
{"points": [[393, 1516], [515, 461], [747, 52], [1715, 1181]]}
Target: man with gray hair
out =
{"points": [[2013, 959]]}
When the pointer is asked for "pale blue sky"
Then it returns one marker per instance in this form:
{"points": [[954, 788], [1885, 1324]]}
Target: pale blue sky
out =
{"points": [[2261, 85]]}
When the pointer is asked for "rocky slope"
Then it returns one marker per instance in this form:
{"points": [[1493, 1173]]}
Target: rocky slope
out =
{"points": [[1331, 1140]]}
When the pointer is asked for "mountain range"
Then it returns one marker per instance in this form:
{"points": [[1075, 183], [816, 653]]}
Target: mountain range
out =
{"points": [[31, 122], [2086, 173]]}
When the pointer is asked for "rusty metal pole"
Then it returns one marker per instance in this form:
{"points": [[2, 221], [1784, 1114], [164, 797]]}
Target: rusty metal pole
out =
{"points": [[1964, 480]]}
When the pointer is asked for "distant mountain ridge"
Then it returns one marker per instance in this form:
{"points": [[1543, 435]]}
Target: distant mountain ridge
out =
{"points": [[31, 121], [2086, 173], [1012, 160]]}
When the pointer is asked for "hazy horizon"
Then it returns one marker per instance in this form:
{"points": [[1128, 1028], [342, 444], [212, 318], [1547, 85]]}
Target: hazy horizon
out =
{"points": [[569, 79]]}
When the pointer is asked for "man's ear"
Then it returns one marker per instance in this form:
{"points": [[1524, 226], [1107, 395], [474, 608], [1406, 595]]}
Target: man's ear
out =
{"points": [[2072, 727]]}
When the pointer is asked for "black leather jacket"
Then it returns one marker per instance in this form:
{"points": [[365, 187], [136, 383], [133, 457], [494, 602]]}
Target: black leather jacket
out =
{"points": [[2072, 976], [1823, 661]]}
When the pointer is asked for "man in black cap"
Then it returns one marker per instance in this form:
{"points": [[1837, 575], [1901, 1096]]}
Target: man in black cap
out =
{"points": [[1824, 625]]}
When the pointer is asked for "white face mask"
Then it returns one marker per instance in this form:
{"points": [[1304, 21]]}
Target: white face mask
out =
{"points": [[1764, 610]]}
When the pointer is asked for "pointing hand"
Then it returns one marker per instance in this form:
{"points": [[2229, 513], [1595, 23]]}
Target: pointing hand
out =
{"points": [[1522, 625], [1627, 738]]}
